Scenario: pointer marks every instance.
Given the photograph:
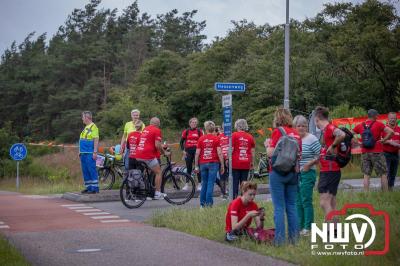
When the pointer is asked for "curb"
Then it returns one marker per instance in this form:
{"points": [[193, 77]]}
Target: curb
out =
{"points": [[113, 195]]}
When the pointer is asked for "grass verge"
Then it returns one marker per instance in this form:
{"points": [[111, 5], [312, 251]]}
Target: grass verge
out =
{"points": [[210, 223], [38, 186], [9, 256]]}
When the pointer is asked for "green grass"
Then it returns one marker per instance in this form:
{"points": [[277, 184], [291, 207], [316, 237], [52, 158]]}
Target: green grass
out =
{"points": [[209, 223], [38, 186], [9, 256]]}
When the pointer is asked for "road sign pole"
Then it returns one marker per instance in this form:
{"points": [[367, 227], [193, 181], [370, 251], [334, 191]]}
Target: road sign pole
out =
{"points": [[230, 178], [17, 183], [227, 117], [287, 55]]}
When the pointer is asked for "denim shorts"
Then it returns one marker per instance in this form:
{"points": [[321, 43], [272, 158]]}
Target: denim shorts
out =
{"points": [[150, 163]]}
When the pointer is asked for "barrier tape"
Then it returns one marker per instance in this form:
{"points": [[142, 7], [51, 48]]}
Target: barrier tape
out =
{"points": [[101, 148], [349, 122]]}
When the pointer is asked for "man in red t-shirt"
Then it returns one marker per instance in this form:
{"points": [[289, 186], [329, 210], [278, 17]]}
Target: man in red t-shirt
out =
{"points": [[391, 149], [330, 173], [373, 158], [188, 146], [147, 151]]}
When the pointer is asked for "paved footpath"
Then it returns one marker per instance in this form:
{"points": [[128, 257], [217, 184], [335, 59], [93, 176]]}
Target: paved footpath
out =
{"points": [[54, 231]]}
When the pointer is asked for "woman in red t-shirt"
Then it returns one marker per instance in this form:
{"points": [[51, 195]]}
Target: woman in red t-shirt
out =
{"points": [[283, 188], [243, 149], [188, 145], [208, 160], [241, 212], [132, 142]]}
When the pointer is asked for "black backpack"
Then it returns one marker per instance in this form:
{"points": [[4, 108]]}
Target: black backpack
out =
{"points": [[343, 155], [367, 139]]}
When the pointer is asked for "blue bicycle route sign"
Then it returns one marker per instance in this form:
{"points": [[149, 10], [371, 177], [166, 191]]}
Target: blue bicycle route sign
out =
{"points": [[227, 119], [18, 151], [230, 87]]}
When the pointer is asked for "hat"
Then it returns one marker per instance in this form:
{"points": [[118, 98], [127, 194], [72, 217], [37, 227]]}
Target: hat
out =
{"points": [[372, 113]]}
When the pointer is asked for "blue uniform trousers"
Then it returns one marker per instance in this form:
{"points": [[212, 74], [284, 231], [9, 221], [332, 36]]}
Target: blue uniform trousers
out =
{"points": [[89, 172]]}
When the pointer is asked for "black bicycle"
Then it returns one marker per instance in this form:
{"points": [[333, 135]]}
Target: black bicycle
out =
{"points": [[107, 169], [262, 169], [133, 193]]}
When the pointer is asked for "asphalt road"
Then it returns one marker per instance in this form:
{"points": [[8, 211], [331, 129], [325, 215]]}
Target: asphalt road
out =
{"points": [[53, 231]]}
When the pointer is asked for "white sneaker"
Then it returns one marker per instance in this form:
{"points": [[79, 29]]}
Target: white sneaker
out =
{"points": [[199, 187], [186, 187], [158, 195], [305, 232]]}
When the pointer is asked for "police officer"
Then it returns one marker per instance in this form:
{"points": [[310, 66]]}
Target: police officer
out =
{"points": [[88, 143]]}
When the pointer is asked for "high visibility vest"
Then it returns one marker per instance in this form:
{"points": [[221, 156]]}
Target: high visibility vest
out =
{"points": [[86, 140]]}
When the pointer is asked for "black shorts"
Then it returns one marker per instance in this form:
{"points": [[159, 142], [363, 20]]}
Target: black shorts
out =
{"points": [[329, 182], [132, 163]]}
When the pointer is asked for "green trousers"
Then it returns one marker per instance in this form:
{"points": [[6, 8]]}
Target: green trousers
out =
{"points": [[304, 202]]}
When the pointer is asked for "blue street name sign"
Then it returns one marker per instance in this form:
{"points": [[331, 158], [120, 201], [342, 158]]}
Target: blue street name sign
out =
{"points": [[230, 87], [18, 152], [227, 119]]}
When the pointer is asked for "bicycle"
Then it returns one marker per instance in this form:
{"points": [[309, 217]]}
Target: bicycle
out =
{"points": [[262, 169], [108, 168], [133, 195]]}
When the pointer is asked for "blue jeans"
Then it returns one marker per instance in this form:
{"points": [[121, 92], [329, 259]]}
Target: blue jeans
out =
{"points": [[284, 193], [126, 159], [208, 177], [89, 172]]}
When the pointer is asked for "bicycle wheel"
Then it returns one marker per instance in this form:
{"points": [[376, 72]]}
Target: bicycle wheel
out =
{"points": [[106, 178], [131, 197], [179, 187]]}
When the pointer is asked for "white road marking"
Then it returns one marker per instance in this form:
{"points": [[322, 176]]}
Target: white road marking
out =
{"points": [[105, 217], [72, 205], [80, 207], [95, 213], [88, 250], [91, 210], [115, 221], [1, 222], [4, 226]]}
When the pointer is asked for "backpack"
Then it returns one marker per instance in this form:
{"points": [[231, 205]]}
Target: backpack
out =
{"points": [[135, 178], [261, 235], [285, 156], [367, 138], [343, 155]]}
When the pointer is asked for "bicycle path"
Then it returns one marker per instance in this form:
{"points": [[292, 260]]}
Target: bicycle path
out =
{"points": [[54, 231]]}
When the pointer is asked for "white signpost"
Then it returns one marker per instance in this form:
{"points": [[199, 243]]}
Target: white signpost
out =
{"points": [[227, 119]]}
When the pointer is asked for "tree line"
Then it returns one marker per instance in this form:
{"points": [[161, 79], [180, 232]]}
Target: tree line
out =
{"points": [[348, 55]]}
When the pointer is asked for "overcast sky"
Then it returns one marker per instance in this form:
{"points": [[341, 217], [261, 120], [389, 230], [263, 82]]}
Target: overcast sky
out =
{"points": [[20, 17]]}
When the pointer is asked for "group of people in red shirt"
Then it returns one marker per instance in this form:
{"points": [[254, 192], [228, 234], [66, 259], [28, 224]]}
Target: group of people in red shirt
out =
{"points": [[209, 152], [383, 156]]}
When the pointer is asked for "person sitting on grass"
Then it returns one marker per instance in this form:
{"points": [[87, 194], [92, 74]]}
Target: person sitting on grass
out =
{"points": [[241, 212]]}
